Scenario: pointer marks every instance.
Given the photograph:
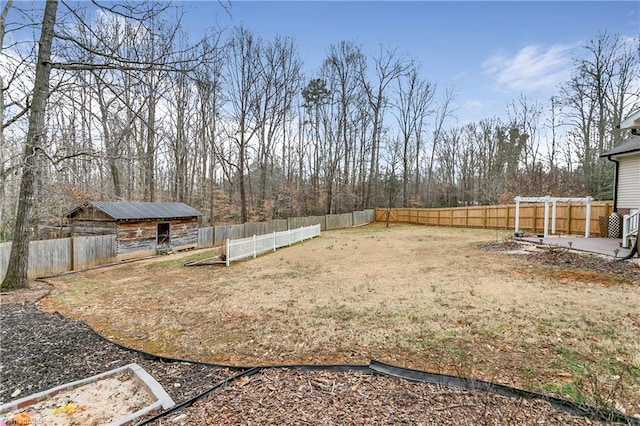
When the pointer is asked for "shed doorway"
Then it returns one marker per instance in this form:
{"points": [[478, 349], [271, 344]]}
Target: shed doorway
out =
{"points": [[163, 235]]}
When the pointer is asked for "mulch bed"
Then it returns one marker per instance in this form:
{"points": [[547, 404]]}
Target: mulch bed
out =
{"points": [[293, 397], [41, 350], [565, 258]]}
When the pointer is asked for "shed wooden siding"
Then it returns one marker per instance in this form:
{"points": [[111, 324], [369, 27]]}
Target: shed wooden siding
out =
{"points": [[141, 235], [89, 227], [628, 191], [184, 232]]}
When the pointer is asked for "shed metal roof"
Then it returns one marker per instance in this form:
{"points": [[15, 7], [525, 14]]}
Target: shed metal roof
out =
{"points": [[140, 210]]}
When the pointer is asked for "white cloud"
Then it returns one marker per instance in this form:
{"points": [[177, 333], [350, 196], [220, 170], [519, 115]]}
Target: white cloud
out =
{"points": [[459, 75], [532, 68], [473, 104]]}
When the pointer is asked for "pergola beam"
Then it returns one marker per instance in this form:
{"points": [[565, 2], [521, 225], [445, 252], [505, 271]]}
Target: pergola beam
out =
{"points": [[553, 201]]}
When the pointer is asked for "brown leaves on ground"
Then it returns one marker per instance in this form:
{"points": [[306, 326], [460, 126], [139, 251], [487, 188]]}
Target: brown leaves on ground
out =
{"points": [[288, 397]]}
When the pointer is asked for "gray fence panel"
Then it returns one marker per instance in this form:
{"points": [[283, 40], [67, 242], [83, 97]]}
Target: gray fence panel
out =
{"points": [[205, 237], [302, 222], [5, 250], [363, 217], [279, 225], [227, 232], [48, 257], [256, 228], [339, 221], [93, 250]]}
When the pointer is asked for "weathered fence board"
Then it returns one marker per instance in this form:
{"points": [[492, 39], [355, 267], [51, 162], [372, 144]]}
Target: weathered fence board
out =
{"points": [[227, 232], [257, 228], [5, 251], [49, 257], [301, 222], [205, 237], [339, 221], [570, 217], [279, 225], [92, 251], [363, 217]]}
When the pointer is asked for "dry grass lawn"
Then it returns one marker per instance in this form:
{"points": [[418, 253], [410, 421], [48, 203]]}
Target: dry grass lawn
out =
{"points": [[417, 296]]}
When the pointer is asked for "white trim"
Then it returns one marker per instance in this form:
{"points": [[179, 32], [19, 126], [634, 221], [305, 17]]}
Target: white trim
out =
{"points": [[631, 122]]}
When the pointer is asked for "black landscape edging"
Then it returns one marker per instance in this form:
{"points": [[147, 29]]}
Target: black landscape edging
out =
{"points": [[377, 367], [154, 357], [573, 408]]}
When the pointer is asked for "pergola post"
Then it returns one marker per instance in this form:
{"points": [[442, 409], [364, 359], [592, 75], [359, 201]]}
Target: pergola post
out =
{"points": [[546, 217], [517, 225], [587, 226], [554, 200]]}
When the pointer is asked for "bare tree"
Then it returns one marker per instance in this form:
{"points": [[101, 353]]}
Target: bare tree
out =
{"points": [[341, 68], [245, 94], [280, 75], [315, 95], [599, 93], [16, 276], [413, 106], [93, 53], [388, 66], [443, 112]]}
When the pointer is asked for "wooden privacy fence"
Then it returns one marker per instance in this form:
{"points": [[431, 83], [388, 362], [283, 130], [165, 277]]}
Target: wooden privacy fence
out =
{"points": [[570, 217], [48, 257]]}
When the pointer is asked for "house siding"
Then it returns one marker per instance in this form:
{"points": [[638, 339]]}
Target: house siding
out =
{"points": [[628, 191]]}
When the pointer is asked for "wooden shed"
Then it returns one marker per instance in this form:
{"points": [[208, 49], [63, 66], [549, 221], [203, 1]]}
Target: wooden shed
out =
{"points": [[138, 227]]}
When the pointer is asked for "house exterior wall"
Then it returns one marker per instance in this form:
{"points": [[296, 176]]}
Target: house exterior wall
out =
{"points": [[628, 191]]}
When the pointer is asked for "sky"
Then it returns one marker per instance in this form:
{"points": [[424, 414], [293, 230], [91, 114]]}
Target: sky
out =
{"points": [[489, 52]]}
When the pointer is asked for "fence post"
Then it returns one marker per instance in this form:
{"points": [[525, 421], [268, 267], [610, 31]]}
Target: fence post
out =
{"points": [[274, 241], [484, 217], [587, 227], [254, 247], [73, 253], [227, 254], [517, 225], [506, 226]]}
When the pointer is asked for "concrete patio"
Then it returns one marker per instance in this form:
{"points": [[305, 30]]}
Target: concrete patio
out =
{"points": [[605, 246]]}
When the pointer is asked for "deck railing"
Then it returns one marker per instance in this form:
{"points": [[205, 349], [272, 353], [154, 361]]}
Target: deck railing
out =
{"points": [[629, 227]]}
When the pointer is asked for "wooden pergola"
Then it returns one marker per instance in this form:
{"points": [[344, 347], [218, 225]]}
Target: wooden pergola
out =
{"points": [[553, 202]]}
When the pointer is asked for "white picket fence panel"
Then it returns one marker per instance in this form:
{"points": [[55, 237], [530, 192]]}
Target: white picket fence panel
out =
{"points": [[258, 244]]}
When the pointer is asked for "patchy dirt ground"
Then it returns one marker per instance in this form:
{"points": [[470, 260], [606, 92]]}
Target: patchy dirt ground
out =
{"points": [[421, 297]]}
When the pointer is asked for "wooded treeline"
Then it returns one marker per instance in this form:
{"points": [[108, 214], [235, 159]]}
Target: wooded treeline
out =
{"points": [[235, 125]]}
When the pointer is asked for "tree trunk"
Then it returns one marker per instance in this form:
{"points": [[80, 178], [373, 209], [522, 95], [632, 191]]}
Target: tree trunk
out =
{"points": [[16, 276]]}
